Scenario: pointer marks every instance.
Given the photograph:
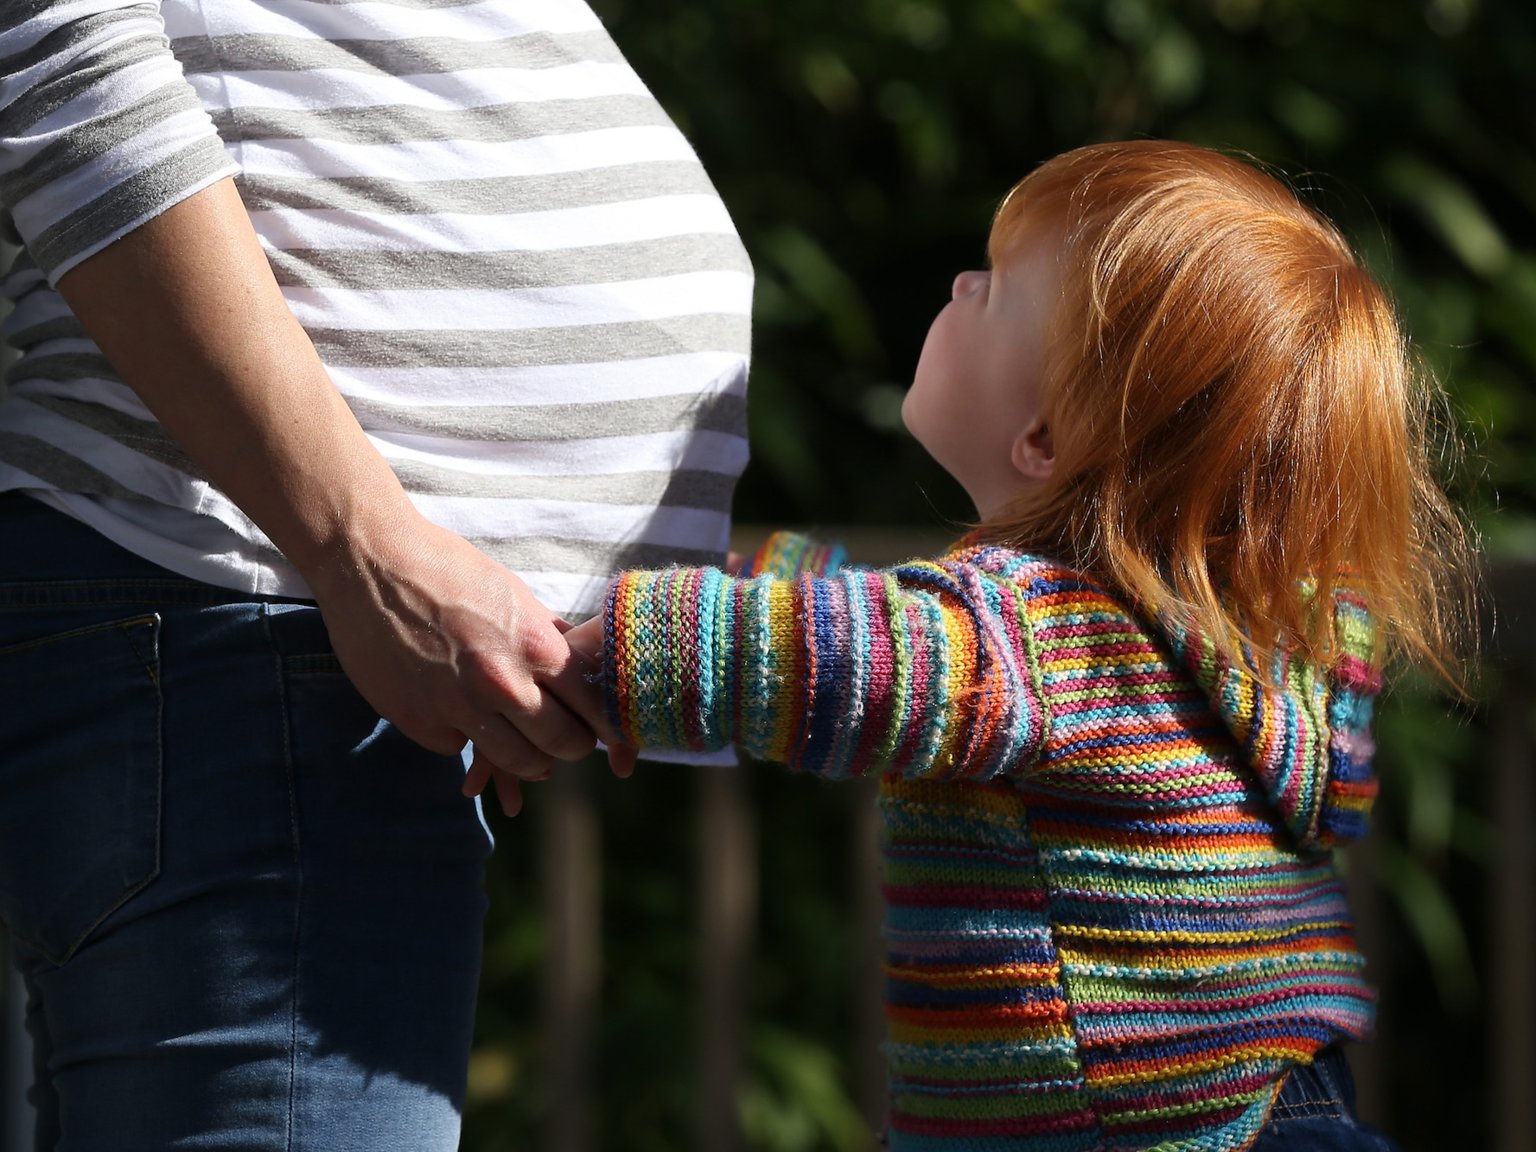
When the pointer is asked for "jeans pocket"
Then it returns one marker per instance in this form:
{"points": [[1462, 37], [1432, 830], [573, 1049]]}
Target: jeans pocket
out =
{"points": [[79, 779]]}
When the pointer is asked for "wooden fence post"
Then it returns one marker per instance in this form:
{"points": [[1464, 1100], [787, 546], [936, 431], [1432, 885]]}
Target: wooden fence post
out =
{"points": [[1366, 1060], [727, 896], [867, 1058], [1512, 919], [572, 878]]}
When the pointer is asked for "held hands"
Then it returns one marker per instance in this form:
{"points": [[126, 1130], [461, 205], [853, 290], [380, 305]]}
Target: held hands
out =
{"points": [[450, 647], [586, 643]]}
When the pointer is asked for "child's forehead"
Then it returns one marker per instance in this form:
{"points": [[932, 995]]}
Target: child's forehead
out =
{"points": [[1021, 234], [1024, 213]]}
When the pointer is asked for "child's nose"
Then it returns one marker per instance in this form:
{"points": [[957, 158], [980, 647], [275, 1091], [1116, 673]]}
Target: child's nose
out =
{"points": [[965, 283]]}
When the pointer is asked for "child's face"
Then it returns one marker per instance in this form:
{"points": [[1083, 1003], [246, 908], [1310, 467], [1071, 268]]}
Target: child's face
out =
{"points": [[975, 401]]}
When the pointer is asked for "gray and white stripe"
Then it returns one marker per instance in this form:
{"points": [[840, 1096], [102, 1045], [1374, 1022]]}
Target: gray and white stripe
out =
{"points": [[512, 263]]}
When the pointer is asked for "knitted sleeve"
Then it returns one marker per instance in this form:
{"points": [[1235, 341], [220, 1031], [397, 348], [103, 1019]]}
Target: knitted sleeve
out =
{"points": [[1306, 733], [924, 669], [793, 554]]}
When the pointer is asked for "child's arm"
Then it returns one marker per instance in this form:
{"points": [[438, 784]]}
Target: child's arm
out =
{"points": [[783, 554], [923, 669]]}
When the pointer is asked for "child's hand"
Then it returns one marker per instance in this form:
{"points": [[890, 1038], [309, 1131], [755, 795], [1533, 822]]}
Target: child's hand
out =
{"points": [[581, 695], [621, 759], [509, 785], [586, 641]]}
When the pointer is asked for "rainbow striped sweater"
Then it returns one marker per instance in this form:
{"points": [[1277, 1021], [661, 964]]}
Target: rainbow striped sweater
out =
{"points": [[1113, 917]]}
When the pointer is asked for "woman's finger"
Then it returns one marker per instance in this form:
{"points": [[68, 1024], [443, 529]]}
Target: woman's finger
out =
{"points": [[551, 726], [509, 793], [478, 776]]}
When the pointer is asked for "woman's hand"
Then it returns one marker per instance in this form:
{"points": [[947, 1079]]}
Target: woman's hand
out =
{"points": [[586, 644], [450, 647], [443, 642]]}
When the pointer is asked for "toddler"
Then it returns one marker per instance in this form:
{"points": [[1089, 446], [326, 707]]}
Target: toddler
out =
{"points": [[1120, 727]]}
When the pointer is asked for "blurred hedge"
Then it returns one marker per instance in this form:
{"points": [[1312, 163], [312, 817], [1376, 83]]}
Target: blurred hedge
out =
{"points": [[861, 147]]}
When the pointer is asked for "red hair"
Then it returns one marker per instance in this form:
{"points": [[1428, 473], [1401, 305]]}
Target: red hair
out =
{"points": [[1234, 410]]}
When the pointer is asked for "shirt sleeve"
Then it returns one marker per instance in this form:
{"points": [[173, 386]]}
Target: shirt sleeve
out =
{"points": [[99, 129], [925, 669]]}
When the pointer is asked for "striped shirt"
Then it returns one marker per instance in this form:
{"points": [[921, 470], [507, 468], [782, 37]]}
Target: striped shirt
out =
{"points": [[1113, 921], [509, 259]]}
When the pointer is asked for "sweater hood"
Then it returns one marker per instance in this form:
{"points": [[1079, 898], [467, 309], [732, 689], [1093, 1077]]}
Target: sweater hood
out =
{"points": [[1307, 732]]}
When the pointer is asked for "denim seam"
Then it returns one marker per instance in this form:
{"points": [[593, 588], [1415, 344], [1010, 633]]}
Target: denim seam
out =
{"points": [[86, 630], [1308, 1110], [1326, 1074], [149, 877], [149, 665], [298, 871]]}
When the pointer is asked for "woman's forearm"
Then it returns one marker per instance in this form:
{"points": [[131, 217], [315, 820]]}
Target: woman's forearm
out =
{"points": [[440, 639], [187, 311]]}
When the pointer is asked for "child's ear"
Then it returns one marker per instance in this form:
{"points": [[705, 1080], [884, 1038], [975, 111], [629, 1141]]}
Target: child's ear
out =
{"points": [[1034, 451]]}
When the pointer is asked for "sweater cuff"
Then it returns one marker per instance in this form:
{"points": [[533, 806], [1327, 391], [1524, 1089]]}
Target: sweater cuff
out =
{"points": [[662, 675], [790, 554]]}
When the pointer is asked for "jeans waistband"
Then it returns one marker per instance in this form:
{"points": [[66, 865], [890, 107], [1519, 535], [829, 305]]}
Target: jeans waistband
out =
{"points": [[50, 560]]}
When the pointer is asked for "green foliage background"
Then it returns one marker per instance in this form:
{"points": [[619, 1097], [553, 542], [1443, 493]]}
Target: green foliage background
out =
{"points": [[861, 147]]}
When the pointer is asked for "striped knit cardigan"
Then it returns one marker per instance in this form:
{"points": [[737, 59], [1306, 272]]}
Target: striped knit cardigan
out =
{"points": [[1113, 919]]}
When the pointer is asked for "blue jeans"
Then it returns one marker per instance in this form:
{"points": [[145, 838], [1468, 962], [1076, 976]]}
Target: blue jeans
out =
{"points": [[247, 911], [1316, 1112]]}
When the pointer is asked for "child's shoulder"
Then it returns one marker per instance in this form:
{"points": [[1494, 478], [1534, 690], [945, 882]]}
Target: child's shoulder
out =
{"points": [[1037, 574], [1050, 593]]}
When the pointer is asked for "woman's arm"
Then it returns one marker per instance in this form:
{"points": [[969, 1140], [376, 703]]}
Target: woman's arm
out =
{"points": [[119, 186], [441, 640], [923, 669]]}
